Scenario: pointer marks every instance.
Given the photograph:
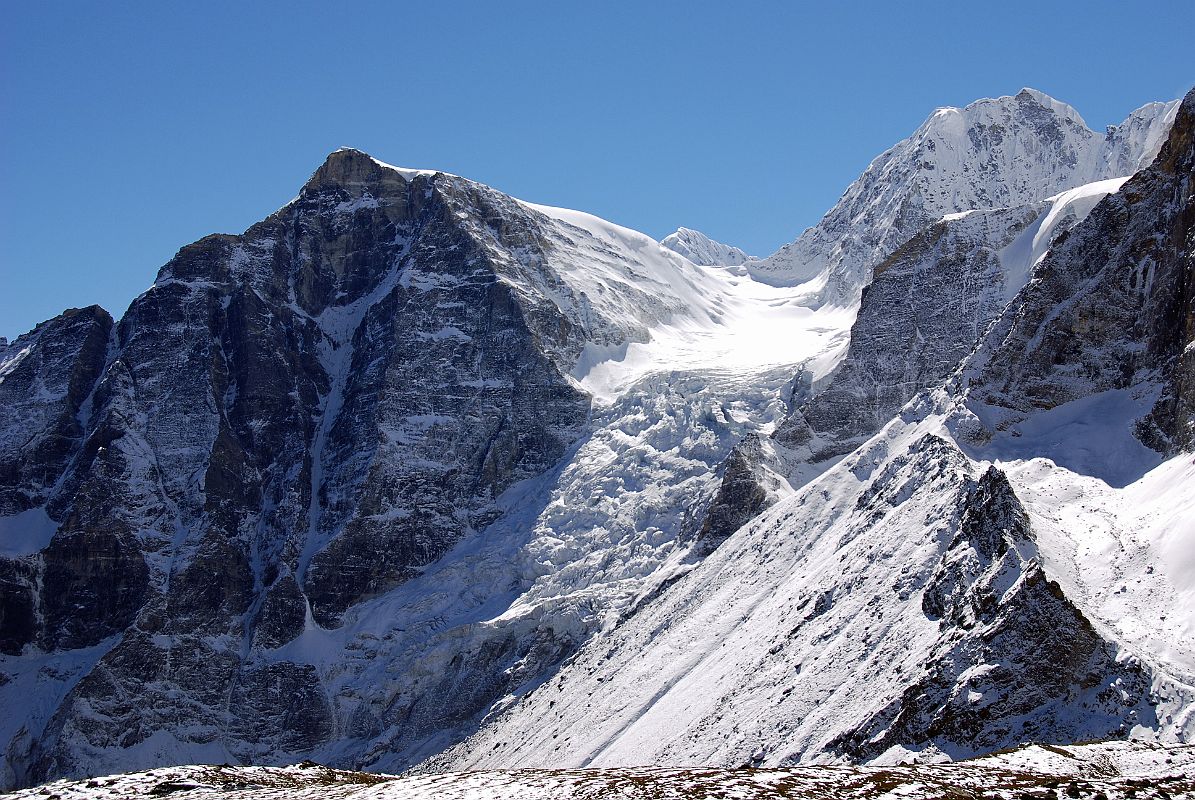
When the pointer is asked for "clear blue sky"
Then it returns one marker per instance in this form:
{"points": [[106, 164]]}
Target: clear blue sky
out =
{"points": [[130, 129]]}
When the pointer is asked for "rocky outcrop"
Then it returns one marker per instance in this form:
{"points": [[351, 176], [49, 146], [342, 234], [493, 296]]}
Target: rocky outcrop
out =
{"points": [[741, 495], [1019, 661], [46, 381]]}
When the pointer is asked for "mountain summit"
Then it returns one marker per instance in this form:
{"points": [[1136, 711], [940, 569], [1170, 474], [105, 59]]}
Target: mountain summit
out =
{"points": [[1007, 151]]}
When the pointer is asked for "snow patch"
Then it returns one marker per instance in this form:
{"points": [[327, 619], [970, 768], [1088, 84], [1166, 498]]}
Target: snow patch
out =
{"points": [[26, 533]]}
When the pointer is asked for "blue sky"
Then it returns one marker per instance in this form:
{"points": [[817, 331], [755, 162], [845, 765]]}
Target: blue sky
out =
{"points": [[130, 129]]}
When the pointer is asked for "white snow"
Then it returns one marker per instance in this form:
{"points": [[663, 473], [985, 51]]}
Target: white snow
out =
{"points": [[1089, 436], [407, 172], [10, 363], [723, 321], [754, 327], [1066, 208], [26, 533]]}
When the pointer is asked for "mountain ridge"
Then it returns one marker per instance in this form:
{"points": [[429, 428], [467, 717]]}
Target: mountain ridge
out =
{"points": [[415, 455]]}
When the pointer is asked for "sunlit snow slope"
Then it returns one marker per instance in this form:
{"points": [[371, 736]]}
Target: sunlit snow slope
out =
{"points": [[1003, 561]]}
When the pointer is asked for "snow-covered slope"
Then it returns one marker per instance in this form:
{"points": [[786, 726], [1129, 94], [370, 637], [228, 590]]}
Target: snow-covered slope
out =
{"points": [[886, 609], [701, 249], [1007, 151], [721, 321], [997, 564]]}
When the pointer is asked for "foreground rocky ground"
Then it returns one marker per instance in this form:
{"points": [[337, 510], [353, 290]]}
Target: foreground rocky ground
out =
{"points": [[1110, 770]]}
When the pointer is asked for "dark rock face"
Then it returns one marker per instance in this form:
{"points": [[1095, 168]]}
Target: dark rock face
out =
{"points": [[922, 314], [45, 403], [290, 422], [1017, 662], [963, 589], [43, 395], [740, 497], [1111, 307]]}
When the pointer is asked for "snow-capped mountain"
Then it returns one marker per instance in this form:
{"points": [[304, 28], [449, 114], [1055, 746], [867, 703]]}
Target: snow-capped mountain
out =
{"points": [[350, 457], [415, 470], [1005, 560], [701, 249], [1008, 151]]}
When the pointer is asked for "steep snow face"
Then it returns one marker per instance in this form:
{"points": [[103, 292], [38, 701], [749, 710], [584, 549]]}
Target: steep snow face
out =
{"points": [[905, 572], [746, 327], [1132, 145], [1009, 151], [701, 249], [698, 318]]}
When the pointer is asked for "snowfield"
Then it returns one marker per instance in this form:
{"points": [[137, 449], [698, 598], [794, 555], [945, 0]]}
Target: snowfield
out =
{"points": [[1112, 770], [727, 323]]}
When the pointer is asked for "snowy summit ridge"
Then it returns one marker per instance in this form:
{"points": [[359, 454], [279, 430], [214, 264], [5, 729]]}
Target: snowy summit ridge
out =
{"points": [[701, 249], [1001, 152]]}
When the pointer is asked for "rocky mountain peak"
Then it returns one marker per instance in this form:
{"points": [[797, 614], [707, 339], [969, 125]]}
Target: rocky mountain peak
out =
{"points": [[1030, 95], [993, 153], [354, 171]]}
